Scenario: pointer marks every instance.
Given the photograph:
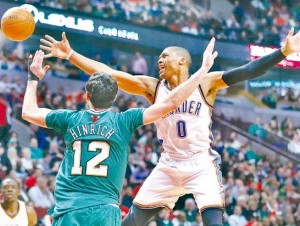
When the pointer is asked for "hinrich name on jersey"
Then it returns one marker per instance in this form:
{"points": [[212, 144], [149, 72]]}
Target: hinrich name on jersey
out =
{"points": [[91, 129], [188, 107]]}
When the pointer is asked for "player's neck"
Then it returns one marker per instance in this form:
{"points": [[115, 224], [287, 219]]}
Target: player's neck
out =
{"points": [[99, 109], [11, 208], [175, 81]]}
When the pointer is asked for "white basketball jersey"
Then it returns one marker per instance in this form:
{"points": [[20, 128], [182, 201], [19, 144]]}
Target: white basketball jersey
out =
{"points": [[20, 219], [187, 130]]}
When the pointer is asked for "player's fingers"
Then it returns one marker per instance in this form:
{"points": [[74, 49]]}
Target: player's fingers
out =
{"points": [[48, 55], [35, 57], [64, 36], [215, 54], [291, 32], [46, 68], [40, 57], [50, 38], [46, 42], [211, 44], [46, 48]]}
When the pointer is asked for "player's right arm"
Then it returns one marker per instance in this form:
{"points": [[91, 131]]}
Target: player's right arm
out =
{"points": [[31, 215], [183, 91], [138, 85]]}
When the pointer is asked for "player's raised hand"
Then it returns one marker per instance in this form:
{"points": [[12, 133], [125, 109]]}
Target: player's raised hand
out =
{"points": [[209, 55], [292, 42], [55, 48], [36, 67]]}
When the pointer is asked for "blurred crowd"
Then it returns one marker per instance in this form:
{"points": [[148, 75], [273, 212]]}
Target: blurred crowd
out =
{"points": [[258, 191], [281, 98], [282, 134], [262, 22]]}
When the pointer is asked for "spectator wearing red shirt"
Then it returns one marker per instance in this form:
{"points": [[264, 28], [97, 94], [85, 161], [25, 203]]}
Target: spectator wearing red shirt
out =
{"points": [[4, 113]]}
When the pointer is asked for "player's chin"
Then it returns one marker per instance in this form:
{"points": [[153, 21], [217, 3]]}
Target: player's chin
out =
{"points": [[162, 74]]}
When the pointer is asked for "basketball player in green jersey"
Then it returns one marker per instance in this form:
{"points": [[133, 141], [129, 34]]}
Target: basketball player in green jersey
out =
{"points": [[91, 174]]}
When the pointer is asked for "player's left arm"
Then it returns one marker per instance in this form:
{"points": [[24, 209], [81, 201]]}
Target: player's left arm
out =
{"points": [[31, 215], [31, 111], [223, 79]]}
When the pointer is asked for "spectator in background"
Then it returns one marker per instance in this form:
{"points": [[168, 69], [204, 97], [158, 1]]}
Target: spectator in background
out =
{"points": [[218, 144], [4, 118], [237, 219], [190, 210], [163, 218], [36, 152], [294, 145], [26, 160], [288, 128], [40, 193], [31, 180], [140, 175], [139, 65], [127, 197], [5, 164], [270, 99], [256, 129], [179, 218]]}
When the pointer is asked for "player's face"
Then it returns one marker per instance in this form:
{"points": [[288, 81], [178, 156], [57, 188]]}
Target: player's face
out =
{"points": [[168, 64], [10, 190]]}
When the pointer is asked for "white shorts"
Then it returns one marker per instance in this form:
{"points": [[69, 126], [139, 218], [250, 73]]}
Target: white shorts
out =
{"points": [[171, 179]]}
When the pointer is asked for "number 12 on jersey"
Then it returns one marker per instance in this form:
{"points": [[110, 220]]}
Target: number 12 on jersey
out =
{"points": [[92, 166]]}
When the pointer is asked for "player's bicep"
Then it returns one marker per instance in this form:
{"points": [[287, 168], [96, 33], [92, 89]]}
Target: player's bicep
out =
{"points": [[216, 80], [38, 117], [31, 215], [139, 85]]}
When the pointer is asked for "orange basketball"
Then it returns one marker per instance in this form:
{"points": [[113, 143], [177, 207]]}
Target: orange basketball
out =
{"points": [[17, 24]]}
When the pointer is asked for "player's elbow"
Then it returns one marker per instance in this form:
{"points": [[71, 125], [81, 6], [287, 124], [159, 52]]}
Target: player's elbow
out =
{"points": [[26, 114]]}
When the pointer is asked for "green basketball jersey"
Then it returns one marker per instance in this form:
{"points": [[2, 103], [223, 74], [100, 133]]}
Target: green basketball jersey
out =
{"points": [[95, 158]]}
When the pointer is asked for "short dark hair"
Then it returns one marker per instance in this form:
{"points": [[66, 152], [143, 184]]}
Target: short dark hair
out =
{"points": [[102, 89]]}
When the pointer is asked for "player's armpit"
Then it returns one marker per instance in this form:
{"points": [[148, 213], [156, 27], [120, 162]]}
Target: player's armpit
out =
{"points": [[37, 117], [32, 217], [138, 85], [215, 81]]}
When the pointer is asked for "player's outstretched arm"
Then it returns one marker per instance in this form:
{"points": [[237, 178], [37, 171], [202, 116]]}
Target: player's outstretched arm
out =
{"points": [[30, 111], [184, 90], [139, 85], [257, 67]]}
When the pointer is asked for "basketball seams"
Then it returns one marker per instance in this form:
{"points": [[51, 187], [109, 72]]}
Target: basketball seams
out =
{"points": [[17, 24], [11, 24], [18, 19]]}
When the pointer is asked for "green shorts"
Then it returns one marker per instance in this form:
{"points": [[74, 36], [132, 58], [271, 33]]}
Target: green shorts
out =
{"points": [[101, 215]]}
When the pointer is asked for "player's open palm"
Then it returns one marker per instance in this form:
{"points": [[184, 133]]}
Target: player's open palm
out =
{"points": [[36, 67], [292, 42], [55, 48], [209, 55]]}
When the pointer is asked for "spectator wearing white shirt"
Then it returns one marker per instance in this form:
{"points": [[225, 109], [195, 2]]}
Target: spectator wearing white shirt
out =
{"points": [[294, 145], [237, 219], [40, 194]]}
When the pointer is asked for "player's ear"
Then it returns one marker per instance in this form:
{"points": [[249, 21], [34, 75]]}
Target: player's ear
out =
{"points": [[115, 98], [87, 97], [182, 61]]}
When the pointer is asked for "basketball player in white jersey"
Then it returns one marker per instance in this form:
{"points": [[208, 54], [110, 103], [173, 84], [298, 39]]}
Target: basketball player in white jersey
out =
{"points": [[187, 165], [12, 211]]}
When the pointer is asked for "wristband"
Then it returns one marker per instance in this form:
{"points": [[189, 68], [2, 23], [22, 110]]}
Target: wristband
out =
{"points": [[70, 54], [31, 76]]}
